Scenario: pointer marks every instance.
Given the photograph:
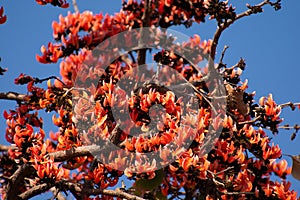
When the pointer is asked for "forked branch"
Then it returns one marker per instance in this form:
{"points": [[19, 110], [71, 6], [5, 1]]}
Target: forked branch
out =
{"points": [[252, 10]]}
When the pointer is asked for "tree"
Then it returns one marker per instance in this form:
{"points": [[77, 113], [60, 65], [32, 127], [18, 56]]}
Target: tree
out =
{"points": [[85, 100]]}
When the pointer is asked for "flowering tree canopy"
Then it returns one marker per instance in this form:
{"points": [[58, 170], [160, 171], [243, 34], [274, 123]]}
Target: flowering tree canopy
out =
{"points": [[136, 102]]}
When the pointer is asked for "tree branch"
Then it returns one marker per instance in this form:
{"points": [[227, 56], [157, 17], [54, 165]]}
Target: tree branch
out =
{"points": [[36, 190], [225, 25], [115, 193], [289, 104], [249, 121], [141, 59], [223, 54], [288, 127], [60, 156], [16, 179], [12, 96], [57, 194], [6, 147], [75, 6]]}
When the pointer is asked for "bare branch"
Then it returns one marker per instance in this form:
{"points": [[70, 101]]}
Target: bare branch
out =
{"points": [[225, 25], [141, 59], [60, 156], [36, 190], [16, 179], [250, 121], [6, 147], [289, 104], [224, 170], [237, 193], [223, 53], [57, 194], [115, 193], [288, 127], [75, 6], [12, 96], [76, 189]]}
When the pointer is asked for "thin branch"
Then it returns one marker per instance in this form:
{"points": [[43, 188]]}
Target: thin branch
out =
{"points": [[237, 193], [288, 127], [223, 54], [141, 59], [200, 93], [289, 104], [249, 121], [213, 179], [6, 147], [224, 170], [57, 194], [12, 96], [36, 190], [225, 25], [2, 70], [37, 80], [115, 193], [60, 156], [75, 6], [16, 179]]}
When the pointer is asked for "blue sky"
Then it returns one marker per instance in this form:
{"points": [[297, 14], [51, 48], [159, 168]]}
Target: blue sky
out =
{"points": [[269, 42]]}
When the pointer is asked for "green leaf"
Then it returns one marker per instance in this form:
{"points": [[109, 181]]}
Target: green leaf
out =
{"points": [[160, 196], [150, 184]]}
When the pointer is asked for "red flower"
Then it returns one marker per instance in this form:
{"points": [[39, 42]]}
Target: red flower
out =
{"points": [[2, 17]]}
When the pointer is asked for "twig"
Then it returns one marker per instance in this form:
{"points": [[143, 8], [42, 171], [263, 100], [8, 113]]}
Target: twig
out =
{"points": [[200, 93], [6, 147], [141, 59], [115, 193], [60, 156], [217, 183], [37, 80], [249, 121], [75, 6], [289, 104], [223, 54], [16, 179], [224, 170], [236, 193], [288, 127], [57, 194], [225, 25]]}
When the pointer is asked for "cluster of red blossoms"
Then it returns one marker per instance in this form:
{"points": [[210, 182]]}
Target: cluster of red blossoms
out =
{"points": [[241, 162]]}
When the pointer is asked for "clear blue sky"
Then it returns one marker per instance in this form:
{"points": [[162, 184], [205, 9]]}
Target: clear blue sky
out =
{"points": [[269, 42]]}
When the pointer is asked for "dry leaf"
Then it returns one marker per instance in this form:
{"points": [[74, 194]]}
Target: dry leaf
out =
{"points": [[295, 166], [236, 100]]}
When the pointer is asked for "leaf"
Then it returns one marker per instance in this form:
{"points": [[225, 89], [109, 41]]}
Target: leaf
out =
{"points": [[236, 100], [295, 166], [149, 184], [160, 196]]}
